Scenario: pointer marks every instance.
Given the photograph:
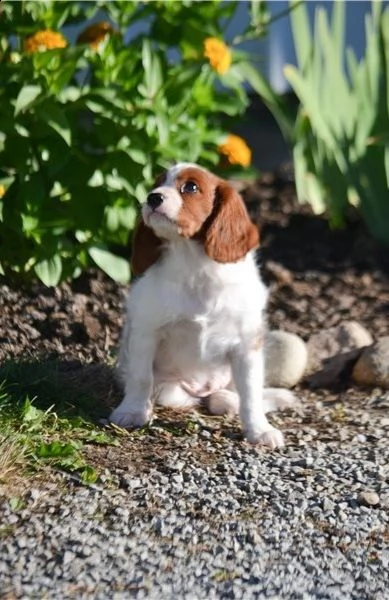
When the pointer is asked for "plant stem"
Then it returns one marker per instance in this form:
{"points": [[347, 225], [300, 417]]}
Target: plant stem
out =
{"points": [[260, 29]]}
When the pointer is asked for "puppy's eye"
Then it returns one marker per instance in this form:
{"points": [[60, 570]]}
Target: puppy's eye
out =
{"points": [[189, 187]]}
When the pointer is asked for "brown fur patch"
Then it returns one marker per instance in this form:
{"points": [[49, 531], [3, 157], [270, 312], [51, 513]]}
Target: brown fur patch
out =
{"points": [[228, 235], [196, 206], [146, 248], [160, 180]]}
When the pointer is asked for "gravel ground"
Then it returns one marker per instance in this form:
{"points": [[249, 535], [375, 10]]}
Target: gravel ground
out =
{"points": [[213, 517]]}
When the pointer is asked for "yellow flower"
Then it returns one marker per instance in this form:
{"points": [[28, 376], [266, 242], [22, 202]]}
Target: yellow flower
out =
{"points": [[236, 150], [218, 54], [2, 191], [95, 33], [44, 40]]}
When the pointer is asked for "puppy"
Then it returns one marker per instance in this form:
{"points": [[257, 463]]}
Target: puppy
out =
{"points": [[195, 317]]}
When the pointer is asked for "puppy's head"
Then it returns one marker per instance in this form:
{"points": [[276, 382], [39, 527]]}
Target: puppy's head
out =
{"points": [[189, 202]]}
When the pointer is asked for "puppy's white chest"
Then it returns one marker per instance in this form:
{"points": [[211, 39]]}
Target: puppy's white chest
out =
{"points": [[198, 342]]}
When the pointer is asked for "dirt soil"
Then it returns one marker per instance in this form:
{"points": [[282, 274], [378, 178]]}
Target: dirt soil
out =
{"points": [[318, 277]]}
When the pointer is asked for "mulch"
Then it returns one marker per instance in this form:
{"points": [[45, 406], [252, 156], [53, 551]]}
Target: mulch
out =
{"points": [[318, 277]]}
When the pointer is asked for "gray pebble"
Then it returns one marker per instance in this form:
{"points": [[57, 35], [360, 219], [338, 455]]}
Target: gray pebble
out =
{"points": [[369, 498]]}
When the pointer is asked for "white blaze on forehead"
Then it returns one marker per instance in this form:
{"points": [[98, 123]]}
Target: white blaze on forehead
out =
{"points": [[173, 172]]}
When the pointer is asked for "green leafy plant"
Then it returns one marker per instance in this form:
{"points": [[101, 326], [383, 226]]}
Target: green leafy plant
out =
{"points": [[341, 136], [34, 439], [86, 125]]}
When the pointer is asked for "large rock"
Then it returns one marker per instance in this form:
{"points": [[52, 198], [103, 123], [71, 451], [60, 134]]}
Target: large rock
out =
{"points": [[285, 359], [372, 367], [332, 350]]}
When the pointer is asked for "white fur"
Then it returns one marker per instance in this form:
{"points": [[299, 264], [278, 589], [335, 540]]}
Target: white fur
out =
{"points": [[194, 330], [162, 220]]}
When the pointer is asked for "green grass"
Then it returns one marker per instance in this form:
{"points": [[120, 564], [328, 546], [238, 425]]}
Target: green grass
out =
{"points": [[46, 421]]}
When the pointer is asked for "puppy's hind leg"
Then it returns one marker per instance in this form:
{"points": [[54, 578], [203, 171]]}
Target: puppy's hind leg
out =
{"points": [[226, 402], [172, 395], [279, 399], [223, 402]]}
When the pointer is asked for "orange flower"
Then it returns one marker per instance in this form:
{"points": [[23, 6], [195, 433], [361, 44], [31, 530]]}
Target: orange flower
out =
{"points": [[44, 40], [236, 150], [95, 33], [218, 54], [2, 191]]}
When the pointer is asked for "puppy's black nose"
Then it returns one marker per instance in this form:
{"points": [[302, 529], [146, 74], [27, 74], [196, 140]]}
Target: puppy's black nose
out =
{"points": [[154, 200]]}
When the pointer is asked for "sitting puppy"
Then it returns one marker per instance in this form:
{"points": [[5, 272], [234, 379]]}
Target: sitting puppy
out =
{"points": [[195, 319]]}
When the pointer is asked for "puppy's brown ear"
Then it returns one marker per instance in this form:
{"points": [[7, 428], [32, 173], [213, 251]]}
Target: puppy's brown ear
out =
{"points": [[146, 248], [229, 233]]}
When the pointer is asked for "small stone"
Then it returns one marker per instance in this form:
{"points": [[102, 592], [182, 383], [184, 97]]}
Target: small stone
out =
{"points": [[34, 494], [282, 275], [32, 333], [384, 500], [328, 505], [68, 557], [346, 336], [285, 359], [12, 519], [331, 350], [79, 304], [369, 498], [372, 368], [92, 327]]}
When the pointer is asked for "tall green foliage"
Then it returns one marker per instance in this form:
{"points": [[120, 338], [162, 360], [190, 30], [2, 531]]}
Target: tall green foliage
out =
{"points": [[341, 136]]}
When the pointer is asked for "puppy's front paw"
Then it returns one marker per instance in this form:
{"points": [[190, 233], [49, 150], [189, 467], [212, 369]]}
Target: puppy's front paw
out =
{"points": [[272, 438], [123, 417]]}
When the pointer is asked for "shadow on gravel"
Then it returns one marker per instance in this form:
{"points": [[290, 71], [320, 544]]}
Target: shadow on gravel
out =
{"points": [[71, 388]]}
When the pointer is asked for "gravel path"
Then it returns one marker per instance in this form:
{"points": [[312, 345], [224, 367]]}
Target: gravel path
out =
{"points": [[232, 521]]}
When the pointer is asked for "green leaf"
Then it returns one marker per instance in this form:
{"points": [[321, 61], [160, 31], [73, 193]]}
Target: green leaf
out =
{"points": [[89, 474], [338, 27], [49, 271], [301, 33], [279, 108], [163, 127], [127, 216], [137, 155], [30, 413], [259, 13], [55, 118], [116, 267], [387, 164], [153, 78], [112, 218], [16, 503], [55, 449], [26, 97]]}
